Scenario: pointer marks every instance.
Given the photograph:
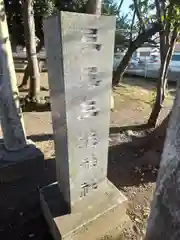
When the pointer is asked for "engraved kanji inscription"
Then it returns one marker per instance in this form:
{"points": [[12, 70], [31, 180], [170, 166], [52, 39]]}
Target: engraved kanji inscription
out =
{"points": [[88, 109], [90, 140], [90, 35], [87, 187], [90, 39], [84, 189], [91, 77], [89, 162]]}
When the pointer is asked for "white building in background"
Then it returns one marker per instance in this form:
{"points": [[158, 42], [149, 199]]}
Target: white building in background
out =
{"points": [[146, 51], [142, 52]]}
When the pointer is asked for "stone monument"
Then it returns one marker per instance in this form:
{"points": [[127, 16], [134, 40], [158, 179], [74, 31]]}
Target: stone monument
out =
{"points": [[16, 153], [80, 58]]}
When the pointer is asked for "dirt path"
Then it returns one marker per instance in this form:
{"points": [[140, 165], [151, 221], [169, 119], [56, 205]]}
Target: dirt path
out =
{"points": [[21, 217]]}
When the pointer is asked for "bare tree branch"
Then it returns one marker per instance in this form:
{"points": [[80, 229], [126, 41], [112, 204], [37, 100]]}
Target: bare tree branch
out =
{"points": [[132, 24], [168, 24], [139, 16], [158, 11], [120, 5]]}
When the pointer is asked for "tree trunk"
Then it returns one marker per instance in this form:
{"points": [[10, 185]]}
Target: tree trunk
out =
{"points": [[142, 37], [94, 7], [160, 96], [30, 40], [164, 219], [27, 72], [166, 55], [118, 74], [12, 124]]}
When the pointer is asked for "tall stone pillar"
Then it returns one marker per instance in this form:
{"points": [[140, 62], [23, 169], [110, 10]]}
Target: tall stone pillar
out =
{"points": [[80, 57]]}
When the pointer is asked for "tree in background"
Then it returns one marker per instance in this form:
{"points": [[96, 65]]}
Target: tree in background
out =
{"points": [[168, 15], [30, 42], [18, 24], [33, 10], [42, 8], [146, 31], [111, 7], [23, 19], [15, 21], [94, 7]]}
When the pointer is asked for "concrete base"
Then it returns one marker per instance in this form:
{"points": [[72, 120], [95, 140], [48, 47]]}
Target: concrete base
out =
{"points": [[21, 163], [98, 216]]}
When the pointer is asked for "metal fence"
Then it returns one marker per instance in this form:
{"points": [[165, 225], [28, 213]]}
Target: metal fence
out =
{"points": [[143, 70]]}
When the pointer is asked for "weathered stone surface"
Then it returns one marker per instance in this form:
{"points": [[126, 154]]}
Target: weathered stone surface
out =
{"points": [[80, 58], [164, 221], [91, 218]]}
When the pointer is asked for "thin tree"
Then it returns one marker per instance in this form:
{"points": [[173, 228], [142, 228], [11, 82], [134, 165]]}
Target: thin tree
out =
{"points": [[133, 46], [42, 9], [30, 41], [168, 17], [27, 72], [145, 34], [94, 6]]}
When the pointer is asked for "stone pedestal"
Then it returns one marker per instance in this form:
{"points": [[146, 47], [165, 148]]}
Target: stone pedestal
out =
{"points": [[24, 162], [99, 216], [80, 58]]}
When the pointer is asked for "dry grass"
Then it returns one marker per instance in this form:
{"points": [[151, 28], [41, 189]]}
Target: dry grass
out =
{"points": [[140, 90]]}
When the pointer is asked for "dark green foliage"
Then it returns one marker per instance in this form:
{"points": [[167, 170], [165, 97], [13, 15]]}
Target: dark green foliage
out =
{"points": [[44, 8], [15, 23]]}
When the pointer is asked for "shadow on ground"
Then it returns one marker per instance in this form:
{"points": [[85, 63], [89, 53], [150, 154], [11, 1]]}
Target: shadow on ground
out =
{"points": [[132, 162], [21, 216], [26, 89], [125, 166], [28, 105], [41, 138], [142, 127], [36, 107]]}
